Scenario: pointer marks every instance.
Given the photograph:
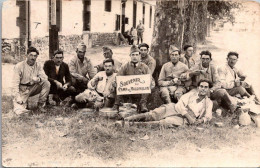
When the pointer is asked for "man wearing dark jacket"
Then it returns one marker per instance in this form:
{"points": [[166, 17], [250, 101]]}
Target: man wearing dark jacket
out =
{"points": [[57, 71]]}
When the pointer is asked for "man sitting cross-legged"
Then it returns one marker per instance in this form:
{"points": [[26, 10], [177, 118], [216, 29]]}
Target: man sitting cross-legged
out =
{"points": [[194, 107], [101, 84]]}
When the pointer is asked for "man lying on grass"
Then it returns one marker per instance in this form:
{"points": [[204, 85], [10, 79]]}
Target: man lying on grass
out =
{"points": [[193, 107]]}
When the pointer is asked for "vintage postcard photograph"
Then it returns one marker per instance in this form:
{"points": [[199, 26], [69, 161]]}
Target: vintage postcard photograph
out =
{"points": [[130, 83]]}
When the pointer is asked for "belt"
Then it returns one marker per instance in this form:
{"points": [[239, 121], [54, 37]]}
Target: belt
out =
{"points": [[27, 84]]}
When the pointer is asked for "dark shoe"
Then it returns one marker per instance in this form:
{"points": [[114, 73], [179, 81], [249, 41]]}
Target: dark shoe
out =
{"points": [[143, 108], [232, 108], [42, 107], [74, 106], [115, 107]]}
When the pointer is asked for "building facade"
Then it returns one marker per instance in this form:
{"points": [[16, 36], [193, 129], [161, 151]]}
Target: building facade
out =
{"points": [[96, 22]]}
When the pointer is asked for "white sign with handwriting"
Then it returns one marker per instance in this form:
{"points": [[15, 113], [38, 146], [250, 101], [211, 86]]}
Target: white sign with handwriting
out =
{"points": [[133, 84]]}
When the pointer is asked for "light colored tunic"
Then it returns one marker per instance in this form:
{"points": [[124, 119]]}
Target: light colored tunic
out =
{"points": [[169, 70], [79, 69], [23, 74], [228, 76], [103, 86]]}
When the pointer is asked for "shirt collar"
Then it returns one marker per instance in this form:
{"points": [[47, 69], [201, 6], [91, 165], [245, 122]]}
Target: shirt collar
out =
{"points": [[132, 64], [208, 69], [176, 63]]}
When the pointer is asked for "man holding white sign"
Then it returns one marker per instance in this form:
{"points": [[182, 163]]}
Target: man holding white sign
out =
{"points": [[133, 74]]}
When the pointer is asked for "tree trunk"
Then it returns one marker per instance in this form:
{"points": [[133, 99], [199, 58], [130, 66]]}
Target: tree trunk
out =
{"points": [[202, 21], [168, 29], [177, 22]]}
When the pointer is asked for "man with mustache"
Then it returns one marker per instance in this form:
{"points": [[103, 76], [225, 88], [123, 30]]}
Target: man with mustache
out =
{"points": [[172, 77], [108, 54], [29, 80], [101, 84], [233, 79], [81, 69], [57, 71]]}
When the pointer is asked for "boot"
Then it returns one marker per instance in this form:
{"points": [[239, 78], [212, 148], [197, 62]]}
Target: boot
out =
{"points": [[166, 100], [143, 108], [116, 107], [51, 100], [41, 107]]}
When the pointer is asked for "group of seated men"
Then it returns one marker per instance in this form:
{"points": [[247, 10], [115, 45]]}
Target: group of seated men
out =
{"points": [[185, 85]]}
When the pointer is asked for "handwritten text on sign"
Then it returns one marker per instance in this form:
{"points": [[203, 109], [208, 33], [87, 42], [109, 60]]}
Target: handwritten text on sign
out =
{"points": [[133, 84]]}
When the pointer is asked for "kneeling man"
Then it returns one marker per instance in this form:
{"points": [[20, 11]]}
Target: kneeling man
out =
{"points": [[57, 71], [29, 80], [101, 85]]}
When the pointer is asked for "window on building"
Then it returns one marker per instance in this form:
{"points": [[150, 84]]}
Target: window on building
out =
{"points": [[86, 15], [150, 20], [108, 5], [117, 22], [126, 20], [143, 13]]}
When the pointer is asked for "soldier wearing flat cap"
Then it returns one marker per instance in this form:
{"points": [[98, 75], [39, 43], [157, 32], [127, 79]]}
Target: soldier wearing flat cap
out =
{"points": [[134, 67], [172, 77], [81, 69], [146, 58], [108, 54]]}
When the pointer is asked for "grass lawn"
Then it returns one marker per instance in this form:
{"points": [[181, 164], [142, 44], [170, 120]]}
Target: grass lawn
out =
{"points": [[65, 132]]}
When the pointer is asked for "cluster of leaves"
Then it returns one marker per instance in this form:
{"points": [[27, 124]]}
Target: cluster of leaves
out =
{"points": [[221, 9]]}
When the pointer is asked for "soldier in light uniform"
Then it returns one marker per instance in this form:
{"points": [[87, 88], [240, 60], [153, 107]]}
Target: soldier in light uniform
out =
{"points": [[29, 80], [108, 54], [81, 69], [172, 77]]}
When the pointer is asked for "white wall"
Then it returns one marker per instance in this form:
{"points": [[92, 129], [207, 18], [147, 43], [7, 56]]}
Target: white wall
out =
{"points": [[72, 21], [9, 14], [101, 20], [39, 13], [129, 14]]}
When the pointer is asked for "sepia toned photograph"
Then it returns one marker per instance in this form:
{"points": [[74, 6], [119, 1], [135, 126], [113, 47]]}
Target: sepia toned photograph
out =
{"points": [[130, 83]]}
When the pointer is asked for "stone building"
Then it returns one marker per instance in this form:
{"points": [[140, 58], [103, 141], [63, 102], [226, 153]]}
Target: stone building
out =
{"points": [[96, 22]]}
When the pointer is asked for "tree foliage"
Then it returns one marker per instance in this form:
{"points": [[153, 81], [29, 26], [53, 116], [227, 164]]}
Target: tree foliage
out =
{"points": [[221, 9]]}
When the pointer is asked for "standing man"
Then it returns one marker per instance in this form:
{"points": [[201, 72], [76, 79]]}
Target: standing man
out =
{"points": [[233, 80], [108, 54], [57, 71], [172, 77], [140, 32], [81, 66], [29, 80], [146, 58], [134, 67], [187, 57], [102, 85], [205, 70]]}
